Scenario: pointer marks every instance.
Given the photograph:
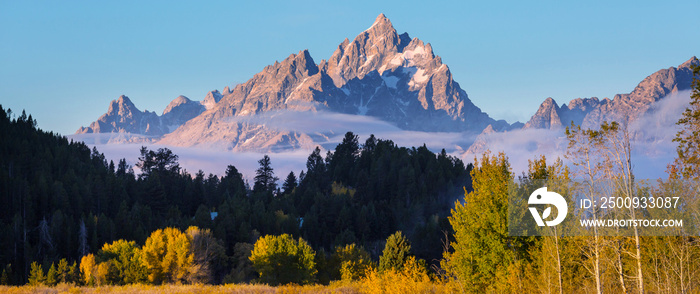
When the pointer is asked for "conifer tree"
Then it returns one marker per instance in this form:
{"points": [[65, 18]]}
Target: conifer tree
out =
{"points": [[36, 275], [52, 276], [265, 180], [289, 183], [73, 273], [5, 277], [62, 271], [395, 253], [351, 262]]}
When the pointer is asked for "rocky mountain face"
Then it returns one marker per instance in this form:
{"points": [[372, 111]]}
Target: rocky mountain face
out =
{"points": [[214, 97], [180, 111], [399, 79], [379, 73], [275, 88], [124, 117], [543, 133], [591, 112], [546, 117]]}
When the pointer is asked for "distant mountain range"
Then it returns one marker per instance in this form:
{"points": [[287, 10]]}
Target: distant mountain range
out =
{"points": [[123, 116], [379, 74], [590, 112]]}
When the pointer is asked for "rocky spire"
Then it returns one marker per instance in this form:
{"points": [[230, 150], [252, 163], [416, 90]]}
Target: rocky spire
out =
{"points": [[213, 97], [368, 51], [381, 27], [122, 106], [546, 117], [124, 117]]}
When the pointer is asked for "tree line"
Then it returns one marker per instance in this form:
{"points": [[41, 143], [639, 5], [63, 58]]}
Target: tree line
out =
{"points": [[62, 201]]}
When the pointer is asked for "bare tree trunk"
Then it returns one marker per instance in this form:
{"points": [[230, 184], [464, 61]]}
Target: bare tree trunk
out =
{"points": [[627, 148], [656, 264], [556, 243], [640, 278], [598, 281], [584, 148], [620, 268], [618, 155], [82, 238]]}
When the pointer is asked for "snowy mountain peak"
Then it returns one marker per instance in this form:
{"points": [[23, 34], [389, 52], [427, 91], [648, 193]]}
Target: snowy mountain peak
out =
{"points": [[379, 73], [369, 51]]}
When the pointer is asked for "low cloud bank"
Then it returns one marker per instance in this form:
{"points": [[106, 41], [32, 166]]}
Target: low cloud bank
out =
{"points": [[520, 146], [652, 133], [334, 126], [652, 140], [653, 147]]}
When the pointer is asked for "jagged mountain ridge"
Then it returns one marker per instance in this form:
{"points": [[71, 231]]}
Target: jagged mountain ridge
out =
{"points": [[124, 117], [591, 112], [547, 124], [380, 74], [407, 77]]}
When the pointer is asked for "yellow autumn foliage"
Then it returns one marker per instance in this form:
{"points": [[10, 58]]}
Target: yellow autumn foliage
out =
{"points": [[87, 269], [411, 278], [167, 256], [182, 289]]}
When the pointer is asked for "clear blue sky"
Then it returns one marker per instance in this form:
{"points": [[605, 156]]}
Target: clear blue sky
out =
{"points": [[63, 61]]}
